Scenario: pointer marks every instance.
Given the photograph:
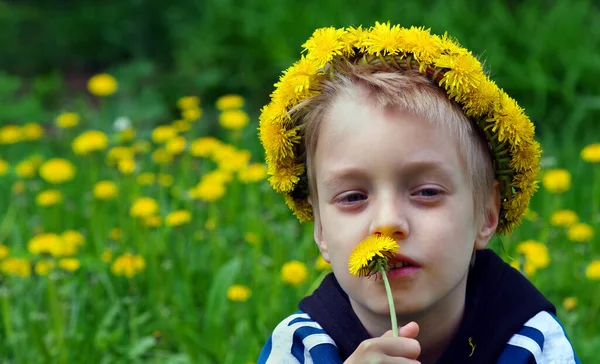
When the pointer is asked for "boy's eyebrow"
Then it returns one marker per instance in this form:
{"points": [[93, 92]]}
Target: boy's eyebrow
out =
{"points": [[338, 176]]}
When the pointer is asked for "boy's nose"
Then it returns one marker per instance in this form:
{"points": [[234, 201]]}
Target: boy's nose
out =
{"points": [[389, 220]]}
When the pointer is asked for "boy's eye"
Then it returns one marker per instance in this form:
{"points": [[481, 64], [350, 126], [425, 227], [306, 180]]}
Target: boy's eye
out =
{"points": [[352, 197], [428, 192]]}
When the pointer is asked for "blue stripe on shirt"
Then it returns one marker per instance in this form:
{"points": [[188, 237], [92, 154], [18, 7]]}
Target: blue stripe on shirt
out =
{"points": [[516, 354], [534, 334]]}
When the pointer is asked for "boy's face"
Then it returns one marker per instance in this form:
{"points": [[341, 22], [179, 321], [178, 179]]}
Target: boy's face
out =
{"points": [[384, 171]]}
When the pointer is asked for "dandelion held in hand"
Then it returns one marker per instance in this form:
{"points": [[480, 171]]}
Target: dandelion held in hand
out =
{"points": [[371, 256]]}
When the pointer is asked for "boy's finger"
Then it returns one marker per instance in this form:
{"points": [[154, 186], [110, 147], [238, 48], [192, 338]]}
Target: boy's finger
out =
{"points": [[410, 330]]}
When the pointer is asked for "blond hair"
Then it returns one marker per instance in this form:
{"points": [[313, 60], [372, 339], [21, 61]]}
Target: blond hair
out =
{"points": [[407, 91]]}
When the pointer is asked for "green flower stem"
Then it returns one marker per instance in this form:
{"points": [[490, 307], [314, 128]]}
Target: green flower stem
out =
{"points": [[6, 317], [388, 290]]}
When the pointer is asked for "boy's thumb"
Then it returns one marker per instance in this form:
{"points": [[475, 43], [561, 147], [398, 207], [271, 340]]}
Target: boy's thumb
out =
{"points": [[410, 330]]}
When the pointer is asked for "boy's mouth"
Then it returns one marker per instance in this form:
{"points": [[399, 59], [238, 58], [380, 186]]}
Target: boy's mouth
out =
{"points": [[402, 261]]}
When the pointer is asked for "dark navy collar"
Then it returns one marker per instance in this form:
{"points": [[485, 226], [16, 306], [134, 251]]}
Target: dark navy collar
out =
{"points": [[499, 301]]}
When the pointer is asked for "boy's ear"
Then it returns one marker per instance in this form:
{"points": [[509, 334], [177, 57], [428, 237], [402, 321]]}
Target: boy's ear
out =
{"points": [[318, 231], [490, 218]]}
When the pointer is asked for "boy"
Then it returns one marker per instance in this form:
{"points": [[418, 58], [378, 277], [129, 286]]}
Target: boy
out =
{"points": [[397, 132]]}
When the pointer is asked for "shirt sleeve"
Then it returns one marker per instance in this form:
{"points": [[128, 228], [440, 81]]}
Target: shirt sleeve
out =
{"points": [[542, 340], [299, 339]]}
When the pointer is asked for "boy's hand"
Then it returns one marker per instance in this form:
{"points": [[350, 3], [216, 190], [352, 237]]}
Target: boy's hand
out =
{"points": [[389, 349]]}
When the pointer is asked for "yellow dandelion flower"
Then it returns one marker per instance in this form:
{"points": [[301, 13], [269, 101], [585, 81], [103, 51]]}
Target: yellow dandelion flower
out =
{"points": [[564, 218], [45, 243], [152, 221], [274, 113], [238, 293], [301, 208], [591, 153], [462, 74], [67, 120], [165, 180], [126, 166], [233, 119], [105, 190], [73, 237], [188, 102], [421, 43], [593, 270], [278, 141], [16, 266], [255, 172], [353, 39], [285, 175], [322, 264], [324, 44], [10, 134], [228, 102], [69, 264], [176, 145], [511, 122], [4, 167], [481, 99], [192, 114], [48, 198], [89, 141], [43, 267], [115, 233], [535, 253], [294, 273], [128, 265], [370, 253], [382, 39], [181, 125], [250, 237], [233, 160], [570, 303], [163, 133], [217, 176], [126, 135], [146, 178], [557, 180], [26, 169], [178, 218], [162, 156], [3, 251], [144, 207], [208, 191], [204, 147], [106, 256], [32, 131], [57, 171], [580, 233], [295, 83], [142, 146], [117, 153], [102, 85]]}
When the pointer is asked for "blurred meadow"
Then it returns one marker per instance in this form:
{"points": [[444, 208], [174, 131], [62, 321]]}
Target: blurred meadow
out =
{"points": [[136, 220]]}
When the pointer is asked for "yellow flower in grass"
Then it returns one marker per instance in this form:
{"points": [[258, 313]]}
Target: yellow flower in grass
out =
{"points": [[10, 134], [536, 255], [3, 167], [128, 265], [580, 233], [162, 156], [102, 85], [238, 293], [210, 224], [57, 171], [32, 131], [217, 176], [208, 191], [89, 142], [126, 135], [371, 254], [3, 251], [144, 207], [255, 172], [178, 218], [115, 233], [557, 180], [118, 153], [181, 125], [570, 303], [106, 255], [163, 133], [43, 267], [73, 237], [232, 160], [591, 153], [191, 114], [48, 198], [105, 190], [228, 102], [322, 264], [251, 238], [53, 244], [16, 266], [145, 178], [188, 102], [152, 221], [564, 218], [233, 119], [593, 270], [165, 180], [67, 120], [294, 272], [142, 146], [126, 166], [26, 169], [176, 145], [69, 264], [204, 147]]}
